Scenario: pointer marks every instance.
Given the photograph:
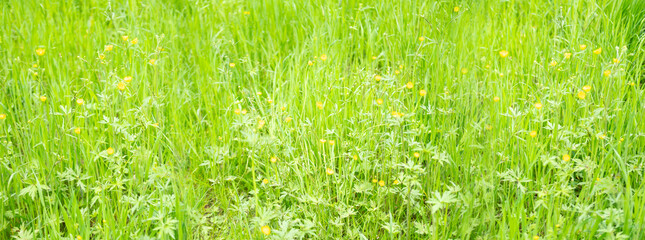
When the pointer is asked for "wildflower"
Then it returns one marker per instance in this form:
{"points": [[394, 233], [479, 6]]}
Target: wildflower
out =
{"points": [[553, 63], [496, 99], [101, 56], [536, 237], [247, 13], [310, 63], [586, 88], [567, 55], [258, 93], [319, 105], [373, 57], [273, 159], [43, 98], [355, 157], [538, 105], [77, 130], [3, 116], [456, 9], [108, 48], [243, 111], [583, 47], [397, 72], [566, 157], [232, 65], [40, 51], [332, 142], [134, 41], [400, 66], [381, 183], [152, 61], [378, 78], [265, 181], [464, 70], [421, 39], [323, 57], [329, 171], [606, 73], [616, 60], [396, 182], [125, 38], [261, 123], [374, 180], [266, 230], [288, 119], [78, 237], [80, 101], [487, 66], [121, 86], [409, 85], [322, 140], [422, 92], [110, 151], [597, 51], [602, 136], [533, 134], [379, 101], [416, 155], [582, 95], [237, 111], [503, 53]]}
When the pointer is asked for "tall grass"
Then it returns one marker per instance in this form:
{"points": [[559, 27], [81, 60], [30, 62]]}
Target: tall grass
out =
{"points": [[322, 119]]}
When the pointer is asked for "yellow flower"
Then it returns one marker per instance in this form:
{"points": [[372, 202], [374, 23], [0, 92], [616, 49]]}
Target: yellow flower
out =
{"points": [[381, 183], [3, 116], [108, 48], [323, 57], [78, 237], [616, 60], [409, 85], [110, 151], [258, 93], [396, 182], [40, 51], [329, 171], [127, 79], [464, 70], [536, 237], [397, 72], [319, 105], [373, 57], [80, 101], [417, 155], [243, 111], [355, 157], [566, 157], [379, 101], [247, 13], [378, 78], [273, 159], [332, 142], [533, 134], [374, 180], [400, 66], [582, 95], [232, 65], [322, 140], [489, 127], [538, 106], [43, 98], [503, 53], [121, 86], [77, 130], [583, 47], [597, 51], [125, 38], [586, 88], [134, 41], [261, 124], [152, 61], [266, 230], [606, 73], [567, 55], [487, 66], [310, 63], [237, 111], [553, 63], [288, 119], [496, 99], [422, 92], [265, 181], [101, 56], [456, 9], [421, 39]]}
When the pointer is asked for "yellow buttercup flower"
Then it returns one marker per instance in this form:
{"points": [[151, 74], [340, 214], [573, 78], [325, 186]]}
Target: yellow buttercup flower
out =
{"points": [[416, 155], [538, 106], [566, 157], [288, 119], [586, 88], [503, 53], [323, 57], [310, 63], [567, 55], [232, 65], [152, 61], [606, 73], [615, 60], [80, 101], [322, 140], [553, 63], [397, 72], [319, 105], [374, 180], [583, 47], [456, 9], [378, 78], [332, 142], [381, 183], [127, 79], [125, 38], [266, 230], [533, 134], [329, 171], [422, 92], [43, 98], [379, 101], [396, 182], [597, 51], [464, 70], [409, 85], [77, 130], [273, 159], [243, 111], [110, 151], [496, 99], [265, 181], [261, 124], [421, 39], [400, 66], [258, 93], [247, 13], [373, 57], [355, 157], [101, 56], [134, 41], [108, 48], [582, 95], [40, 51], [121, 86], [3, 116], [237, 111]]}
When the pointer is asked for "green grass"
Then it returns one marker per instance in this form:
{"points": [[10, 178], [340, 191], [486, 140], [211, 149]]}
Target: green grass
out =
{"points": [[185, 150]]}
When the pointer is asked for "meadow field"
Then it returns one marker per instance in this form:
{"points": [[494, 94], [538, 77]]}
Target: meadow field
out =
{"points": [[322, 119]]}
